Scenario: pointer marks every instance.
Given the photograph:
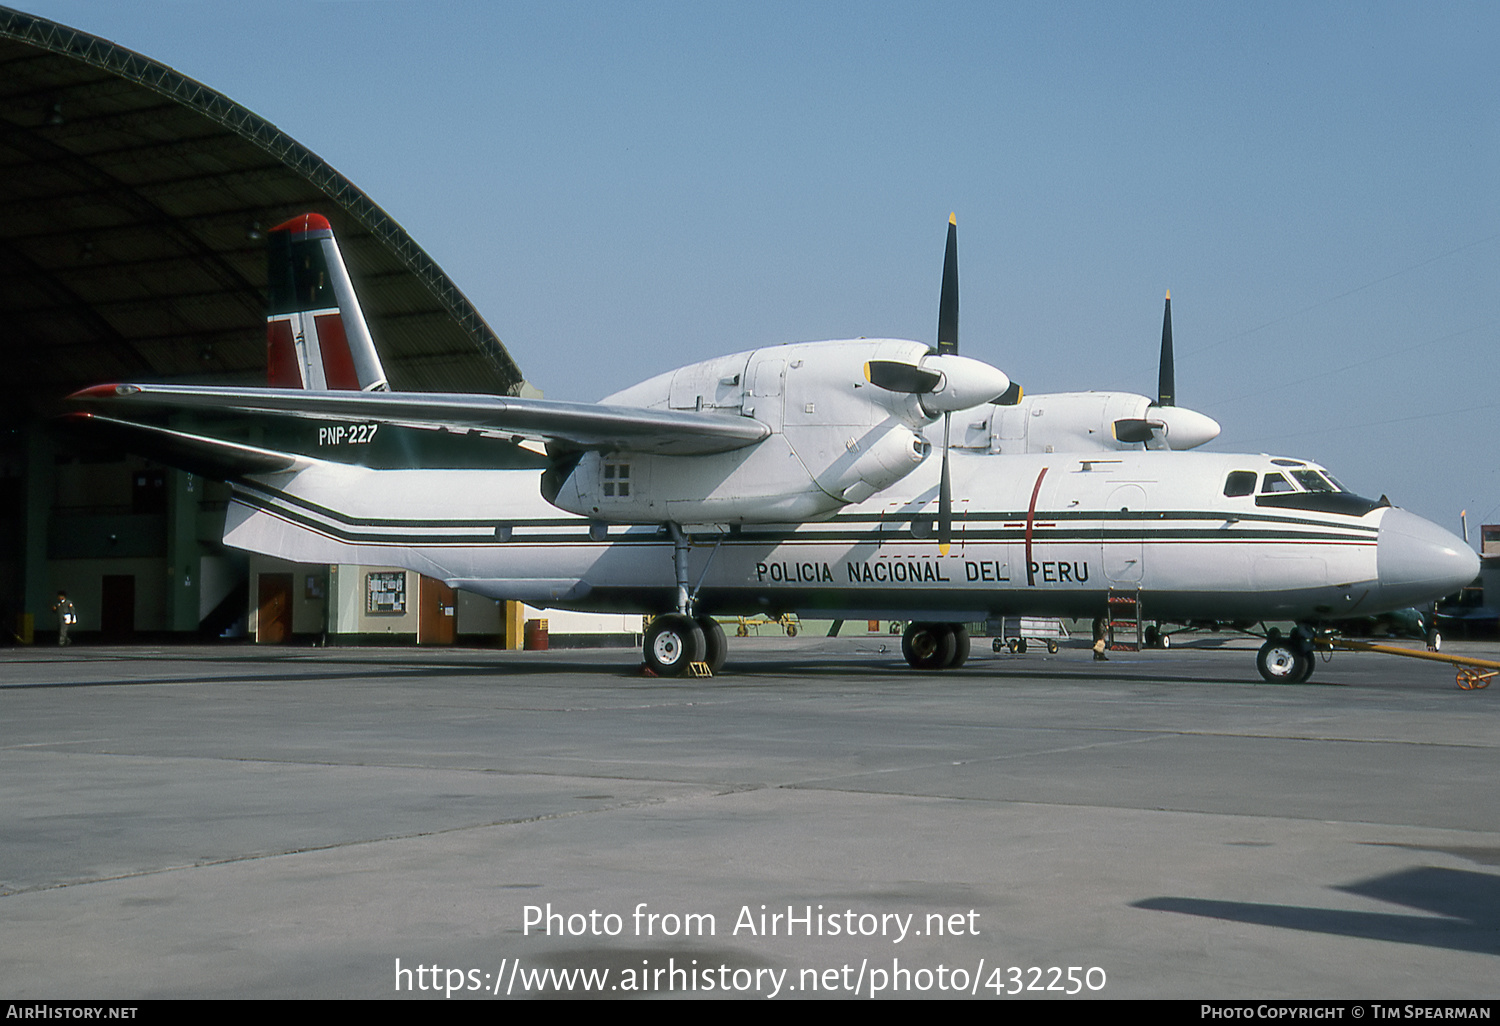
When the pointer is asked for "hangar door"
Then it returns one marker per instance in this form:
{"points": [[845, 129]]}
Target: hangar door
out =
{"points": [[436, 621]]}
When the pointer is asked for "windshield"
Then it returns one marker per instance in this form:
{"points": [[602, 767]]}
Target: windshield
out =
{"points": [[1314, 481], [1306, 488]]}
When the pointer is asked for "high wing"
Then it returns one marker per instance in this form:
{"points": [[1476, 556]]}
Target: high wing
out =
{"points": [[563, 426]]}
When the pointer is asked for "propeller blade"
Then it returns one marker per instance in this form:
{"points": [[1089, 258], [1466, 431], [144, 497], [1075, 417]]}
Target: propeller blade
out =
{"points": [[1012, 396], [945, 496], [1166, 380], [947, 332], [1134, 430], [901, 377]]}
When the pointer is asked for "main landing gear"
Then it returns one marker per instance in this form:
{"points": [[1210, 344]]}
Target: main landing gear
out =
{"points": [[675, 641], [1286, 660], [935, 646]]}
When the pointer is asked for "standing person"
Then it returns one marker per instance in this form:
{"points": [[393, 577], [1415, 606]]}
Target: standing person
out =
{"points": [[67, 616], [1100, 632]]}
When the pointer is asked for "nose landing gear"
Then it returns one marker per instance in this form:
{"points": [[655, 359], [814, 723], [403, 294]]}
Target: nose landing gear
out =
{"points": [[1288, 660]]}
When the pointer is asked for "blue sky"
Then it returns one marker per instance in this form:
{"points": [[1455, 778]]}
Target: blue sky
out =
{"points": [[622, 188]]}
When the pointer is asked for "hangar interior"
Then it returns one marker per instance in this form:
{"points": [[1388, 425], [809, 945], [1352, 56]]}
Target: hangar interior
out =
{"points": [[132, 240]]}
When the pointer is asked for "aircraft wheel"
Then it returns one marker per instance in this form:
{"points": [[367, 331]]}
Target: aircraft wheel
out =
{"points": [[716, 646], [1434, 641], [960, 647], [673, 642], [1280, 662], [928, 646], [1165, 641]]}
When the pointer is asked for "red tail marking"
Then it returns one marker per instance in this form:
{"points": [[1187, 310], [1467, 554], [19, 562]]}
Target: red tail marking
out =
{"points": [[282, 369], [304, 223], [338, 362]]}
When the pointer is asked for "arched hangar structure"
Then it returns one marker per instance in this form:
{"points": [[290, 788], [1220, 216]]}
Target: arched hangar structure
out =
{"points": [[133, 207]]}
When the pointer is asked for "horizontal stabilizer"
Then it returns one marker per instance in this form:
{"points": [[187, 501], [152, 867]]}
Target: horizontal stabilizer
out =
{"points": [[565, 426], [207, 457]]}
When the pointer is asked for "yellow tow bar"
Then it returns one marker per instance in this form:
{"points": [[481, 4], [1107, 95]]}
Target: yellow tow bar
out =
{"points": [[1472, 673]]}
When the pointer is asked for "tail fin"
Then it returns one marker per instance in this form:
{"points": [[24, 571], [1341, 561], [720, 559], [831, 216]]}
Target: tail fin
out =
{"points": [[316, 337]]}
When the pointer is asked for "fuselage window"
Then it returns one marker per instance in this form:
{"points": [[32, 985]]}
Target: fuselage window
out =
{"points": [[617, 479], [1240, 482], [1275, 483]]}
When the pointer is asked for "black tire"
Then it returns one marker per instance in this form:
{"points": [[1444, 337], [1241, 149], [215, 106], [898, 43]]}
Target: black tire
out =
{"points": [[1020, 646], [1282, 662], [1052, 648], [715, 645], [1151, 636], [928, 646], [998, 644], [673, 643], [961, 646]]}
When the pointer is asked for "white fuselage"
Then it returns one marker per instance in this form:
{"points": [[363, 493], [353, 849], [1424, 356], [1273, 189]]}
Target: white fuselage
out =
{"points": [[1039, 534]]}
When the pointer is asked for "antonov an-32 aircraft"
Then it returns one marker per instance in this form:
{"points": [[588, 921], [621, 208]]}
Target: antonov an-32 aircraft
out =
{"points": [[793, 478]]}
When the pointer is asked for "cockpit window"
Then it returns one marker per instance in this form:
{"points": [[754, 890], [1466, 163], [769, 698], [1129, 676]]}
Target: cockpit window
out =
{"points": [[1314, 481], [1313, 491], [1240, 482]]}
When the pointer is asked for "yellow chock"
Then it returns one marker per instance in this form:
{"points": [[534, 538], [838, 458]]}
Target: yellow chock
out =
{"points": [[700, 670]]}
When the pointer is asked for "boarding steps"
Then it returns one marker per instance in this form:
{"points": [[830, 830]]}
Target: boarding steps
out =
{"points": [[1123, 620]]}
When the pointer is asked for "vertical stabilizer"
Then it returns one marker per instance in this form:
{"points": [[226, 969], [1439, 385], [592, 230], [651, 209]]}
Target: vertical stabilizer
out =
{"points": [[316, 337]]}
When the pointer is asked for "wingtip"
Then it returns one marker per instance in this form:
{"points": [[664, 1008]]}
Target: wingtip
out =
{"points": [[109, 391]]}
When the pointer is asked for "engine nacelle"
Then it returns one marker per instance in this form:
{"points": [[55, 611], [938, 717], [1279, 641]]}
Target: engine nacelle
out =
{"points": [[765, 483], [835, 438], [1082, 422]]}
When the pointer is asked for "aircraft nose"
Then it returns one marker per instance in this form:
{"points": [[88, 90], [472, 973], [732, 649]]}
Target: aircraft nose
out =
{"points": [[1417, 561]]}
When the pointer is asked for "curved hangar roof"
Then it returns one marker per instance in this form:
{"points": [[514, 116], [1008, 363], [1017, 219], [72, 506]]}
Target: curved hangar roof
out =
{"points": [[133, 205]]}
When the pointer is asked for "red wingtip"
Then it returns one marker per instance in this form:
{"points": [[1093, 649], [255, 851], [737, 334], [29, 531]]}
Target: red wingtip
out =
{"points": [[304, 223], [104, 391]]}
